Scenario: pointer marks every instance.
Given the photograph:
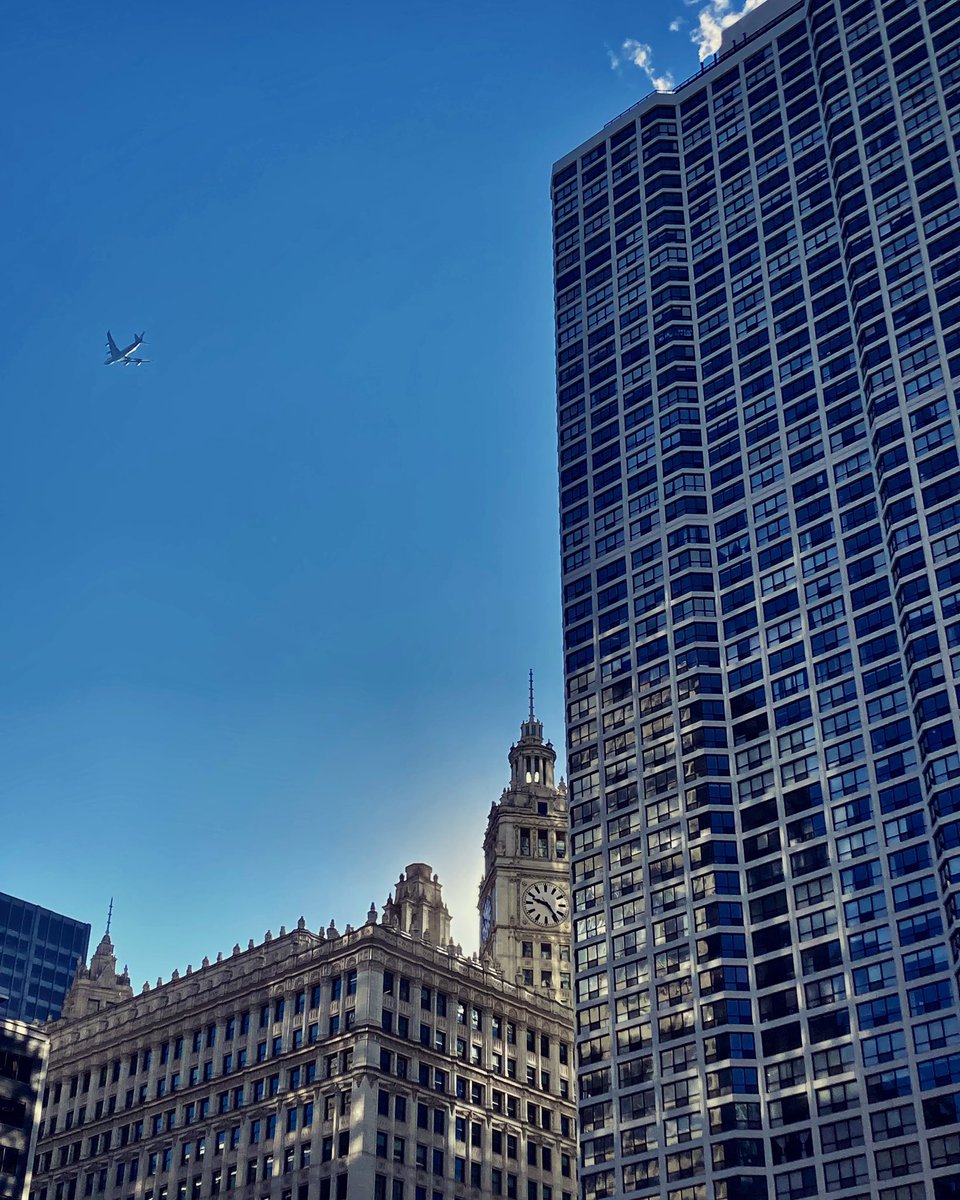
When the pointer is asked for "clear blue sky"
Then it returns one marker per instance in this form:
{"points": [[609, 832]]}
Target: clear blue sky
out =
{"points": [[269, 602]]}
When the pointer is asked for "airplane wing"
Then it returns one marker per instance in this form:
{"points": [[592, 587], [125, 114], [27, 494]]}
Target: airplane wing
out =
{"points": [[112, 345]]}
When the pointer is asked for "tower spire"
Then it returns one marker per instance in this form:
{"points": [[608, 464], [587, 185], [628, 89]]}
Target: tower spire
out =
{"points": [[532, 758], [531, 727], [109, 916]]}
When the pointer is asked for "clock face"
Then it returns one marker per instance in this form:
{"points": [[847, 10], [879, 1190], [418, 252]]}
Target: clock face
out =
{"points": [[486, 919], [545, 903]]}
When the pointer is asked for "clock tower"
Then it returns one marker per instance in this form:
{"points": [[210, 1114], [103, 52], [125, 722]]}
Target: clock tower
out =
{"points": [[525, 916]]}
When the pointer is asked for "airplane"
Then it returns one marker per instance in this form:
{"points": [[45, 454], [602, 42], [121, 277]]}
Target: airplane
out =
{"points": [[124, 357]]}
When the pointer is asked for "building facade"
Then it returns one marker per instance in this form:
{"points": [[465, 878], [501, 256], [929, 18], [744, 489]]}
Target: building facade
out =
{"points": [[39, 952], [758, 351], [379, 1063], [23, 1064]]}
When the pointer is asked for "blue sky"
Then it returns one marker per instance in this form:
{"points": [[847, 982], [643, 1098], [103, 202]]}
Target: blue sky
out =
{"points": [[269, 602]]}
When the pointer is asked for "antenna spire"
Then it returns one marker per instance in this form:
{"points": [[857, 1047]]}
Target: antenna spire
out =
{"points": [[109, 915], [531, 693]]}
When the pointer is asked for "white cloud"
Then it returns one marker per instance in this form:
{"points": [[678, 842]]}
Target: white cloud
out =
{"points": [[712, 19], [640, 55]]}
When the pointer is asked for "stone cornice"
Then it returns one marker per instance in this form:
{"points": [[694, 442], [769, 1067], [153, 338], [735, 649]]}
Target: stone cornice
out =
{"points": [[293, 961]]}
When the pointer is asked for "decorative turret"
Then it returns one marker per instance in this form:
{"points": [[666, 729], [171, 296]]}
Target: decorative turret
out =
{"points": [[99, 985], [417, 905]]}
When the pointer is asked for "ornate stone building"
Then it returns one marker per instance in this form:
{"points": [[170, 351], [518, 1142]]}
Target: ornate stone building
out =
{"points": [[379, 1063], [525, 893]]}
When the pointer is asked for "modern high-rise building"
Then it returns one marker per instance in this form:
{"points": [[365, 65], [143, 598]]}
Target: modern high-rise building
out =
{"points": [[376, 1063], [758, 349], [39, 952]]}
